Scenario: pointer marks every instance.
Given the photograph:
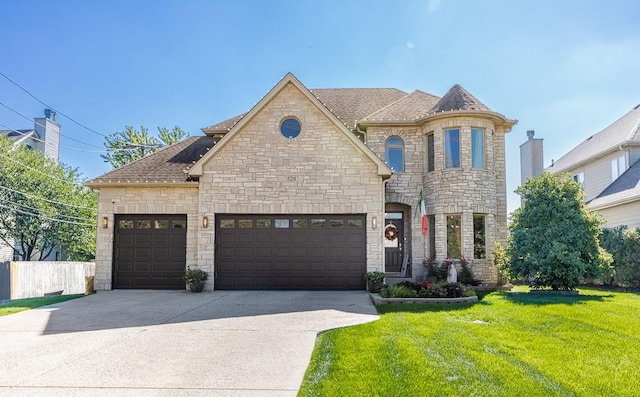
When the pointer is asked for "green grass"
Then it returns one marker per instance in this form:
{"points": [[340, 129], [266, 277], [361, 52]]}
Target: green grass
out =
{"points": [[19, 305], [508, 344]]}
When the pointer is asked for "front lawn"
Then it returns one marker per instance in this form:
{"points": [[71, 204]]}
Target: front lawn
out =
{"points": [[19, 305], [508, 344]]}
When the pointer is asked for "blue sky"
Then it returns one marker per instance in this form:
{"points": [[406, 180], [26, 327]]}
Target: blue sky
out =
{"points": [[566, 69]]}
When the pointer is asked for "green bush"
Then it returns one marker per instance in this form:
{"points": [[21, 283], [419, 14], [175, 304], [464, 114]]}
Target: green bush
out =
{"points": [[624, 247], [397, 291], [553, 236]]}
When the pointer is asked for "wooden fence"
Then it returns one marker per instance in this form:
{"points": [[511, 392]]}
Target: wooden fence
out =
{"points": [[35, 279]]}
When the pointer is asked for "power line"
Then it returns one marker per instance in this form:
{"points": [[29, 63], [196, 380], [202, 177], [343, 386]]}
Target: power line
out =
{"points": [[44, 199], [38, 171], [51, 107], [41, 125], [39, 209], [65, 147], [46, 217]]}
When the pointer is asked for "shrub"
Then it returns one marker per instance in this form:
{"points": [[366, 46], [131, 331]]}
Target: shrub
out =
{"points": [[466, 275], [624, 247], [397, 291], [553, 236]]}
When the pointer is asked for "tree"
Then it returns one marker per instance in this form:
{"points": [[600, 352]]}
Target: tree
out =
{"points": [[44, 206], [130, 145], [554, 237]]}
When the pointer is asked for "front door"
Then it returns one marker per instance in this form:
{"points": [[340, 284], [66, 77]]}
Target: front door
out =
{"points": [[393, 241]]}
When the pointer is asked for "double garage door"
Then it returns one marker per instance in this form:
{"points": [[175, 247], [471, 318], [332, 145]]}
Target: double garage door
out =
{"points": [[251, 251], [290, 251]]}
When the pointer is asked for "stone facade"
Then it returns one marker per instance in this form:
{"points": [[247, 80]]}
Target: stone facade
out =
{"points": [[143, 200], [463, 191], [319, 172], [253, 169]]}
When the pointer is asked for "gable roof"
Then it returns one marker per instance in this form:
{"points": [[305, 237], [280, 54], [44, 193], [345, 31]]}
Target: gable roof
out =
{"points": [[348, 104], [623, 131], [289, 78], [625, 188], [168, 165]]}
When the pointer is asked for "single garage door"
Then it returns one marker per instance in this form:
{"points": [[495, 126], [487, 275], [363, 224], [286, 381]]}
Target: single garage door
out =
{"points": [[290, 251], [149, 251]]}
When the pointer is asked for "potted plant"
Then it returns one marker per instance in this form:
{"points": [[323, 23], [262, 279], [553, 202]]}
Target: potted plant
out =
{"points": [[374, 281], [195, 279]]}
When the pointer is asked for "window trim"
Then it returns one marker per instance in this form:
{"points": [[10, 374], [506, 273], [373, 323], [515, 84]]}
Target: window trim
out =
{"points": [[394, 145], [483, 152], [484, 235], [459, 235], [454, 164], [431, 151]]}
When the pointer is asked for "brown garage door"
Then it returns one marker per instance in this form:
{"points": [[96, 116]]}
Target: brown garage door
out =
{"points": [[149, 251], [290, 251]]}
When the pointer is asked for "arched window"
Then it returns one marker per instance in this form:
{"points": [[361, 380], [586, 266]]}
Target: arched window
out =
{"points": [[394, 149]]}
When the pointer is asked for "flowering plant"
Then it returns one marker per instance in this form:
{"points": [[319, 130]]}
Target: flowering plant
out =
{"points": [[194, 276]]}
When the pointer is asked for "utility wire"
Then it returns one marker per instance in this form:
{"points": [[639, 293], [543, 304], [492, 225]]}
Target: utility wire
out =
{"points": [[46, 217], [70, 148], [44, 199], [51, 107], [38, 171], [41, 125], [39, 209]]}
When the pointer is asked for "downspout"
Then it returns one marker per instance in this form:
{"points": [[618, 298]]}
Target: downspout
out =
{"points": [[381, 222]]}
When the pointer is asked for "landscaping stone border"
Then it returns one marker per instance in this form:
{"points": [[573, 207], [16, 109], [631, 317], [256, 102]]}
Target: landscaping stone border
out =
{"points": [[378, 300]]}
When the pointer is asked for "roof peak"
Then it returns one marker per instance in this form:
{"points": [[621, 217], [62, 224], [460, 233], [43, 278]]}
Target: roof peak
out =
{"points": [[457, 98]]}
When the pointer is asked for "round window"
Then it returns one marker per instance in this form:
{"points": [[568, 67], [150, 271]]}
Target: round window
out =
{"points": [[290, 127]]}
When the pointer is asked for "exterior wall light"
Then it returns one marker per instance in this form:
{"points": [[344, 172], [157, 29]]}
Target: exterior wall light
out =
{"points": [[105, 222], [205, 222], [374, 222]]}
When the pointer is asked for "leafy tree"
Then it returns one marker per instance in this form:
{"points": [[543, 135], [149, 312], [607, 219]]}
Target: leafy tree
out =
{"points": [[44, 206], [130, 145], [554, 237]]}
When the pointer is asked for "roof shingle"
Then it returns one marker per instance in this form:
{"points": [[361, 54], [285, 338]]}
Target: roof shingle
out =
{"points": [[166, 165], [625, 129], [457, 98]]}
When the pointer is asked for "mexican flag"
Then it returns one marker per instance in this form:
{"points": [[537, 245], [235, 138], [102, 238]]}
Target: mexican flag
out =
{"points": [[423, 214]]}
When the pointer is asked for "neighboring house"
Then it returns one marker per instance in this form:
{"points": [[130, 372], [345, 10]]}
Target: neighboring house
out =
{"points": [[607, 166], [311, 189], [45, 137]]}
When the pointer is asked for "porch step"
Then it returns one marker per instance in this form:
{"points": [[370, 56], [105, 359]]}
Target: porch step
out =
{"points": [[396, 280]]}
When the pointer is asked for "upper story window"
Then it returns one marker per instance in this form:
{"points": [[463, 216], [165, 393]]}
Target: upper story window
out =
{"points": [[290, 127], [579, 177], [617, 167], [430, 153], [477, 148], [395, 153], [452, 148]]}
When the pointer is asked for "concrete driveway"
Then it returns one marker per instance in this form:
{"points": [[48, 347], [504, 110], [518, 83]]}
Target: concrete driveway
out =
{"points": [[171, 343]]}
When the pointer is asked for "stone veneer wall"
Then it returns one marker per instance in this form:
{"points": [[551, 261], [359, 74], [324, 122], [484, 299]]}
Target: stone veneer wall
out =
{"points": [[404, 187], [142, 200], [258, 171], [465, 191]]}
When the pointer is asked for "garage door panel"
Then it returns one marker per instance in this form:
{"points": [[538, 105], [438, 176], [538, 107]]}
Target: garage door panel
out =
{"points": [[290, 251], [317, 252], [298, 266], [148, 257], [262, 266]]}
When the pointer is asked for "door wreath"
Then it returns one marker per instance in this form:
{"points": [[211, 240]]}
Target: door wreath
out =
{"points": [[391, 232]]}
